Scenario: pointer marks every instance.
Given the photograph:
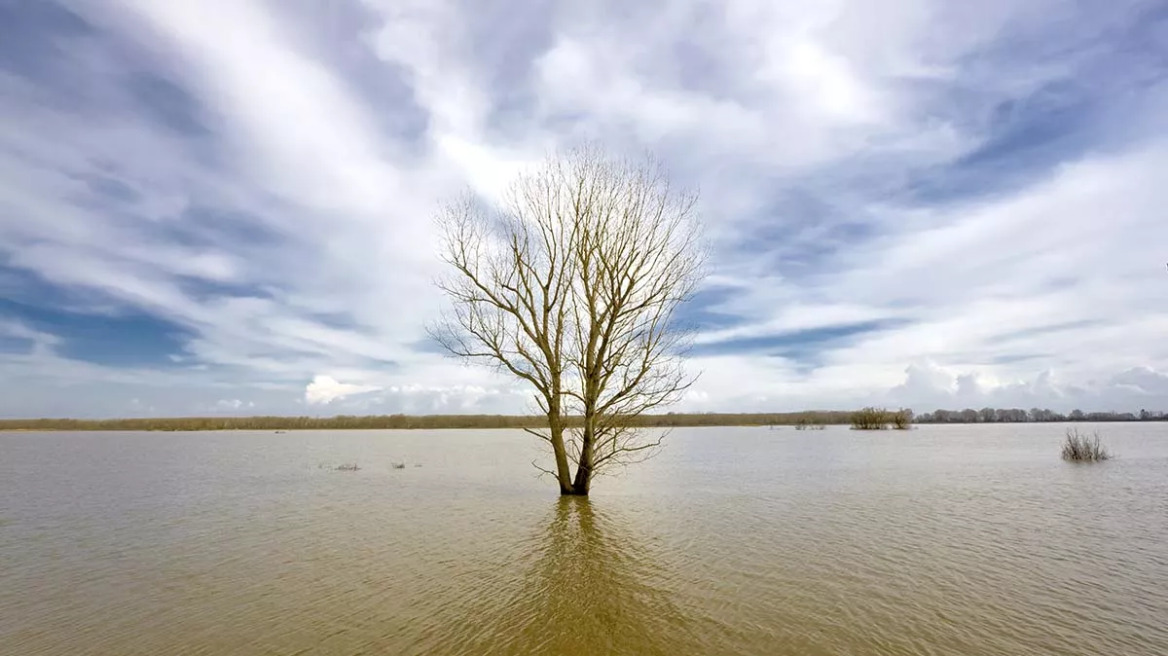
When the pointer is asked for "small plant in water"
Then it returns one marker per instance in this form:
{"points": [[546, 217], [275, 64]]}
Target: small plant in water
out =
{"points": [[1081, 448], [348, 466]]}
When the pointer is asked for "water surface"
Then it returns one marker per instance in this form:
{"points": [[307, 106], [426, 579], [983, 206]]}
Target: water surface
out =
{"points": [[945, 540]]}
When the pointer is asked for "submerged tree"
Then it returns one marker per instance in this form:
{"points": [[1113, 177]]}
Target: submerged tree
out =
{"points": [[571, 285]]}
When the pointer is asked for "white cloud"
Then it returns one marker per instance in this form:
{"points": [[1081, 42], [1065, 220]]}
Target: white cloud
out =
{"points": [[929, 386], [231, 405], [326, 389]]}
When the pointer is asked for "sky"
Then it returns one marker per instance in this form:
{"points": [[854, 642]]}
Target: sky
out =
{"points": [[226, 206]]}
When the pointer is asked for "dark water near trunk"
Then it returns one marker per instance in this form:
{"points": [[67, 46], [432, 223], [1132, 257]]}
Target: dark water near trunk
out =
{"points": [[946, 540]]}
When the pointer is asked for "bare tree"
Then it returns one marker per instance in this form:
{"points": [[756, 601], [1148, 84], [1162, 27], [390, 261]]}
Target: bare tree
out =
{"points": [[572, 285], [509, 286]]}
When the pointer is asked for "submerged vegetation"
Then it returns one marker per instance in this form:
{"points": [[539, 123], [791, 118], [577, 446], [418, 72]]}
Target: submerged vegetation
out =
{"points": [[881, 419], [809, 423], [1079, 447]]}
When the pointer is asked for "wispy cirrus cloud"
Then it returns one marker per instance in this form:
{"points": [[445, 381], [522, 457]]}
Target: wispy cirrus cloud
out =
{"points": [[232, 200]]}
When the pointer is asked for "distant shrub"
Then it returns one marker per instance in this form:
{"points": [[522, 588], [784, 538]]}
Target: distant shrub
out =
{"points": [[1081, 448], [870, 419], [348, 466], [881, 419], [902, 419], [398, 465]]}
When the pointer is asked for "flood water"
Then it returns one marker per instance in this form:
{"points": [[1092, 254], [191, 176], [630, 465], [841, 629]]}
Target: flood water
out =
{"points": [[946, 540]]}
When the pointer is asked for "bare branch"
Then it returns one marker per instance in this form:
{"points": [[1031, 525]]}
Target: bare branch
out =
{"points": [[538, 433]]}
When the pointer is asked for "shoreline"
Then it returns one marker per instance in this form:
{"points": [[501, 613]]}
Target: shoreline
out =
{"points": [[810, 420], [408, 422]]}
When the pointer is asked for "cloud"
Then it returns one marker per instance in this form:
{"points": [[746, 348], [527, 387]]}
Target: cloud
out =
{"points": [[204, 202], [326, 389], [929, 386]]}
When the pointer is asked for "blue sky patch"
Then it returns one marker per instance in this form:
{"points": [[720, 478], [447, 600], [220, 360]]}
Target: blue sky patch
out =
{"points": [[799, 345], [700, 313], [131, 339], [1049, 329], [112, 189], [1025, 138], [18, 345], [1020, 357], [21, 287], [167, 103], [203, 225], [34, 33]]}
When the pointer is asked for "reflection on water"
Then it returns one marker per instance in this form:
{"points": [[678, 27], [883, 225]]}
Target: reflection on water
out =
{"points": [[588, 588], [947, 540]]}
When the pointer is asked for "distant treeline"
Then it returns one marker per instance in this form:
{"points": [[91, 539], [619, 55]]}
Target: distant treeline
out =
{"points": [[1018, 415], [798, 419], [412, 422]]}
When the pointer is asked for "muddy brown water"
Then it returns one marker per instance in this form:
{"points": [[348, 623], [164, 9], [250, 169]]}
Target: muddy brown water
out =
{"points": [[949, 540]]}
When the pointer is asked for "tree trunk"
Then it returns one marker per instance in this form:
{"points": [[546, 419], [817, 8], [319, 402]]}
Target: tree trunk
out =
{"points": [[556, 430], [563, 471], [583, 481]]}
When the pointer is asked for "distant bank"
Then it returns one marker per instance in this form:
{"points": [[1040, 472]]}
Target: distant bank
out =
{"points": [[409, 422], [805, 419]]}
